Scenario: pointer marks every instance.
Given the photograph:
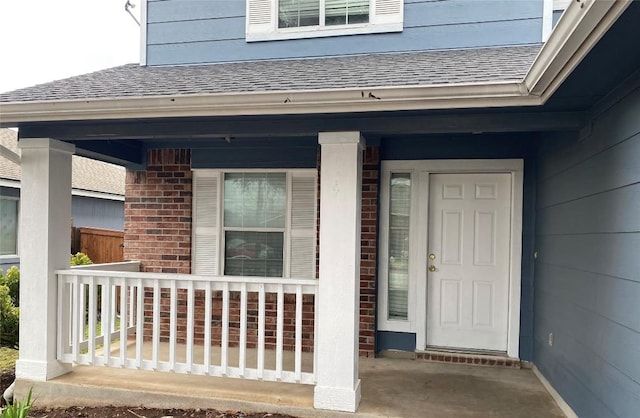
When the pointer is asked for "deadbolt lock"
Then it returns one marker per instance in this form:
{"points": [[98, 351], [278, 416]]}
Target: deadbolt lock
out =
{"points": [[432, 256], [432, 268]]}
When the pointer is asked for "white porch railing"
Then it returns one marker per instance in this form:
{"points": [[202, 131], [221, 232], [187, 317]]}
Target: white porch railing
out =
{"points": [[253, 328]]}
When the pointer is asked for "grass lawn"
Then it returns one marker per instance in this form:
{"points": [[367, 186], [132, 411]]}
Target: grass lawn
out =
{"points": [[8, 357]]}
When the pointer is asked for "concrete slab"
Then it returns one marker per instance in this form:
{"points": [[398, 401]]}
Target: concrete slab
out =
{"points": [[390, 388]]}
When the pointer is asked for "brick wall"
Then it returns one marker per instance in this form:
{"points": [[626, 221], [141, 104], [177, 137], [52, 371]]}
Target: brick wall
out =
{"points": [[157, 213], [158, 233], [369, 251]]}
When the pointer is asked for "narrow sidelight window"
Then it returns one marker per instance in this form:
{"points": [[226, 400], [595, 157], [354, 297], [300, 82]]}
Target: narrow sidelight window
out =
{"points": [[399, 214]]}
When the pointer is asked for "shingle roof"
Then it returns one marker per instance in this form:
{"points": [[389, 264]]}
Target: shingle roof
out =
{"points": [[87, 174], [375, 70]]}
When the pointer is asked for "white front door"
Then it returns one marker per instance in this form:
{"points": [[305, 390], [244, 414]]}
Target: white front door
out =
{"points": [[469, 261]]}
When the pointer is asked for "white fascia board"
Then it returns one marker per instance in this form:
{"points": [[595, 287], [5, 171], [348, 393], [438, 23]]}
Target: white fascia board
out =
{"points": [[9, 154], [14, 184], [97, 195], [579, 29], [273, 103]]}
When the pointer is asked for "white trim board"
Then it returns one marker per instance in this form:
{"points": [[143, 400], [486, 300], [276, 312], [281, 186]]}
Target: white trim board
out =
{"points": [[562, 404], [420, 170]]}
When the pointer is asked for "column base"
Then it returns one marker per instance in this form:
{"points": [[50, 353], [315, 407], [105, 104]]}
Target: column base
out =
{"points": [[337, 399], [40, 371]]}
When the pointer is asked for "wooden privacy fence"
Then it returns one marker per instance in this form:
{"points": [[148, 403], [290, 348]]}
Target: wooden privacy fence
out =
{"points": [[101, 245]]}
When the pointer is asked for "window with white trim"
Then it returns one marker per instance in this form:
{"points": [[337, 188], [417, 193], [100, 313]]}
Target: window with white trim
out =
{"points": [[293, 19], [255, 223], [9, 226]]}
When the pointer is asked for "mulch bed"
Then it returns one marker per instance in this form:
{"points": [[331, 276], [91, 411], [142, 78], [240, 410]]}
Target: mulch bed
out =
{"points": [[139, 412], [6, 378]]}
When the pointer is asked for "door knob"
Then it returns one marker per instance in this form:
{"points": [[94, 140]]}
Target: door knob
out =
{"points": [[432, 268]]}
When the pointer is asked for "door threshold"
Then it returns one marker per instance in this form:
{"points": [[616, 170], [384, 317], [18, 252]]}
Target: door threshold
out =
{"points": [[464, 356]]}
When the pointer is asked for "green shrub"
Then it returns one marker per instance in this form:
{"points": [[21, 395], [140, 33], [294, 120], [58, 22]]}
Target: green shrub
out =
{"points": [[9, 319], [19, 409], [11, 279], [80, 259]]}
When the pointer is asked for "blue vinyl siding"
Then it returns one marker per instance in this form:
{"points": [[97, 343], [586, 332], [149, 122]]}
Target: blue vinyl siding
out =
{"points": [[487, 146], [587, 280], [97, 213], [192, 31]]}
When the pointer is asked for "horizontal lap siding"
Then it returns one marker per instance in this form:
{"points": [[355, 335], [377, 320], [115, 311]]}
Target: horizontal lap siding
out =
{"points": [[588, 272], [188, 32]]}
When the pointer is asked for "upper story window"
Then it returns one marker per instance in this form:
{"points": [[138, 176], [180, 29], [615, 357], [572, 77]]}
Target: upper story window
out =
{"points": [[298, 13], [295, 19]]}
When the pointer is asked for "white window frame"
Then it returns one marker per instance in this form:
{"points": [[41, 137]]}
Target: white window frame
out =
{"points": [[420, 171], [268, 30], [287, 230], [13, 256]]}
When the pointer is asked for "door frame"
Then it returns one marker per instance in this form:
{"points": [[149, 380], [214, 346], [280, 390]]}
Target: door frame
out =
{"points": [[417, 291]]}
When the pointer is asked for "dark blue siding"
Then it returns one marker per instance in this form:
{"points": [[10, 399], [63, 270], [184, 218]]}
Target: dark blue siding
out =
{"points": [[587, 281], [477, 147], [387, 340], [97, 213], [192, 31], [261, 153]]}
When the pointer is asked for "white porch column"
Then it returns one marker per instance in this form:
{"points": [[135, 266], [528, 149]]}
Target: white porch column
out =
{"points": [[338, 304], [45, 222]]}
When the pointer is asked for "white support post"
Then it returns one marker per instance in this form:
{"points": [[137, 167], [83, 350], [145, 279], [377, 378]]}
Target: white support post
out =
{"points": [[45, 222], [337, 305]]}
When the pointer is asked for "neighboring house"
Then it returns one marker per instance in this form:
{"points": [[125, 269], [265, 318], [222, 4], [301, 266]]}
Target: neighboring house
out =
{"points": [[97, 197], [453, 183]]}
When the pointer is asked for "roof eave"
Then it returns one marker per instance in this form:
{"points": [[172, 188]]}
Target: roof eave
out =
{"points": [[582, 25], [383, 98]]}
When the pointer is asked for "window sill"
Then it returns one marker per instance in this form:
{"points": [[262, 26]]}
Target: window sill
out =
{"points": [[322, 32]]}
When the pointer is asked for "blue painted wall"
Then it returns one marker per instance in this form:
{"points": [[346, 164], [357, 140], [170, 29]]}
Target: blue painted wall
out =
{"points": [[587, 276], [97, 213], [511, 145], [194, 31]]}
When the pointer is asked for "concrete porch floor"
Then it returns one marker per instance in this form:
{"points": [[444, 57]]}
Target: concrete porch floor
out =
{"points": [[390, 388]]}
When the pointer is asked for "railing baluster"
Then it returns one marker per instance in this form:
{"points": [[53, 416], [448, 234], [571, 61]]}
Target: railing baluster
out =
{"points": [[190, 325], [242, 361], [207, 327], [77, 320], [123, 322], [298, 355], [156, 324], [114, 313], [132, 306], [83, 309], [279, 332], [139, 323], [224, 361], [261, 309], [92, 320], [173, 326], [106, 317]]}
